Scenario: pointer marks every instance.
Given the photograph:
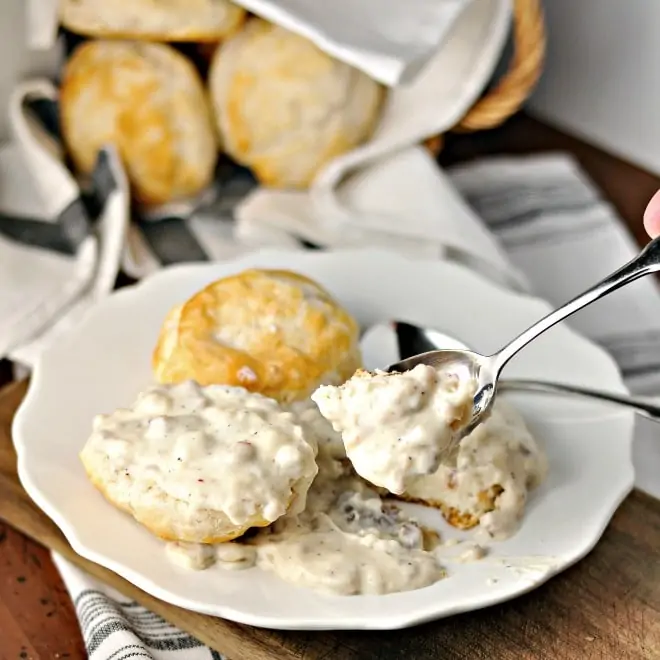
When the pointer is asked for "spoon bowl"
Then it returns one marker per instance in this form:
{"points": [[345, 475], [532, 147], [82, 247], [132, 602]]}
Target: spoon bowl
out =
{"points": [[467, 366], [414, 341]]}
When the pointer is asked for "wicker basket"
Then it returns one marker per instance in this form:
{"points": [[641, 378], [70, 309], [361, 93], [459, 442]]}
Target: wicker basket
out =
{"points": [[515, 86]]}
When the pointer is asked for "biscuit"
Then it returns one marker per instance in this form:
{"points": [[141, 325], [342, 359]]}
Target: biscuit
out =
{"points": [[484, 502], [270, 331], [284, 108], [154, 20], [496, 466], [201, 465], [149, 101]]}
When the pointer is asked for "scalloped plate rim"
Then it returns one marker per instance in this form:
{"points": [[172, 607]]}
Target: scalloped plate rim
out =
{"points": [[134, 292]]}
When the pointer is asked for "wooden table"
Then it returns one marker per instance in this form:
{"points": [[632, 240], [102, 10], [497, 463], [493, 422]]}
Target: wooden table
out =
{"points": [[621, 621]]}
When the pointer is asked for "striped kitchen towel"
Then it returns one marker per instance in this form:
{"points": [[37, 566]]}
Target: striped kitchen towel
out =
{"points": [[60, 248]]}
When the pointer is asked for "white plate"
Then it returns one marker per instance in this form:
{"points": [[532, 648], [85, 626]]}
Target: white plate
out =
{"points": [[105, 361]]}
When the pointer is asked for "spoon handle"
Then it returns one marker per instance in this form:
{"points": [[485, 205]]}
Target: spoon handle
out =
{"points": [[647, 261], [642, 406]]}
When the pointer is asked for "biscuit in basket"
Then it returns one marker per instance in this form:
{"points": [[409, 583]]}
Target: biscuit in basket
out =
{"points": [[496, 467], [157, 20], [270, 331], [284, 108], [149, 101], [201, 465]]}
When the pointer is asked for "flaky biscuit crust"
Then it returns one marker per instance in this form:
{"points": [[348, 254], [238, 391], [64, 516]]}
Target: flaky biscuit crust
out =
{"points": [[149, 101], [284, 108], [173, 20], [271, 331], [455, 517]]}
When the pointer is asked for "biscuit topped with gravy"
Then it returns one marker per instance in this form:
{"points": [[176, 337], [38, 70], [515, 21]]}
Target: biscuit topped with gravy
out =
{"points": [[201, 464]]}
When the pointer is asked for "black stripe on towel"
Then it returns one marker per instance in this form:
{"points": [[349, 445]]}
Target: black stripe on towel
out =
{"points": [[64, 236], [36, 233], [75, 223], [47, 113], [171, 241], [101, 618]]}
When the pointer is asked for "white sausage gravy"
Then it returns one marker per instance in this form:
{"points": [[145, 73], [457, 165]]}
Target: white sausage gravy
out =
{"points": [[396, 425], [191, 461], [345, 537], [347, 540]]}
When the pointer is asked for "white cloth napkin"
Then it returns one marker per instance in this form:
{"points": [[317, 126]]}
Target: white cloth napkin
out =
{"points": [[404, 202], [389, 40], [42, 23], [40, 288]]}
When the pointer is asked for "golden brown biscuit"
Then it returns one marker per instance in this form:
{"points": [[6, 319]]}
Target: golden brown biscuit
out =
{"points": [[496, 466], [156, 20], [270, 331], [149, 101], [484, 502], [284, 108]]}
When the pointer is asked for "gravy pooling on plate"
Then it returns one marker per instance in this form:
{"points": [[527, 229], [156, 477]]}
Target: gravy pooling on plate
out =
{"points": [[347, 541], [351, 539]]}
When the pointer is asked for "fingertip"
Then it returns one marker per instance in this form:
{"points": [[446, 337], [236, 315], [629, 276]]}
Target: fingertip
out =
{"points": [[652, 216]]}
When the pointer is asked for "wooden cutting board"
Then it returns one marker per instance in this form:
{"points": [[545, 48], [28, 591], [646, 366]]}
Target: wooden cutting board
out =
{"points": [[606, 607]]}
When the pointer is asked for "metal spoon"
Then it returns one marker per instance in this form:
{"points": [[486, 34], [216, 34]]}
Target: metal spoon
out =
{"points": [[485, 369], [412, 340]]}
